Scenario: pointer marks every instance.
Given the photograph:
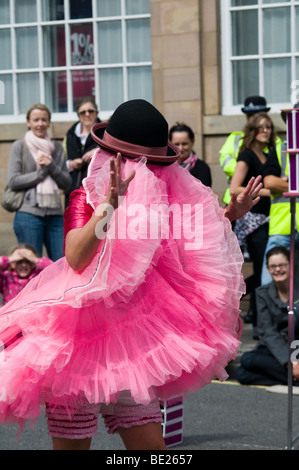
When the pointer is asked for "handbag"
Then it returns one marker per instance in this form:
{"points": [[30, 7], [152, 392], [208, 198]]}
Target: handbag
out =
{"points": [[12, 199]]}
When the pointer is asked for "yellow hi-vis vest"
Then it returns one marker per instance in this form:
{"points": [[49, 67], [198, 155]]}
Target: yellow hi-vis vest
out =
{"points": [[228, 158], [280, 209]]}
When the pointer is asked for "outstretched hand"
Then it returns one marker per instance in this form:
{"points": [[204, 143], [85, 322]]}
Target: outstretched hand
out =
{"points": [[241, 204], [117, 185]]}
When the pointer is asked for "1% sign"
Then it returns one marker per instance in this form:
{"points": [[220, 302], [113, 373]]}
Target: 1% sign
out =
{"points": [[82, 49]]}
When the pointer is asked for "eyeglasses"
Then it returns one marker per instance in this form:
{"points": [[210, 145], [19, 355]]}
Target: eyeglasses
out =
{"points": [[272, 267], [267, 128], [90, 111]]}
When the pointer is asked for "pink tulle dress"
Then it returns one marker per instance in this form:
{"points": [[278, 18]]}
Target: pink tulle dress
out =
{"points": [[155, 312]]}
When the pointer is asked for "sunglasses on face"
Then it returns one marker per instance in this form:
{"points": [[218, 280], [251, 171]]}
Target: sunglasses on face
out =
{"points": [[90, 111]]}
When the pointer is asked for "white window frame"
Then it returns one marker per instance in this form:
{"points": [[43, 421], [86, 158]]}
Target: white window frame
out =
{"points": [[70, 115], [226, 53]]}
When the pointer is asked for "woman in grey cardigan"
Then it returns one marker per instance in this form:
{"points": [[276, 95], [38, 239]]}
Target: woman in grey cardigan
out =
{"points": [[39, 221], [267, 364]]}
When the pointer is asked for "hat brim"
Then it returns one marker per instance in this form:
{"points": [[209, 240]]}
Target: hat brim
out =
{"points": [[169, 155], [248, 110]]}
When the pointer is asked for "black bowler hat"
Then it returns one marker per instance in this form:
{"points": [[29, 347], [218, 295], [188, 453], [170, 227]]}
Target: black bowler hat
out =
{"points": [[136, 129], [255, 104]]}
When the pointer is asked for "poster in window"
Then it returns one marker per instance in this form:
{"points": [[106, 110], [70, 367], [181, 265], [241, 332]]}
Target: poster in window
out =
{"points": [[82, 54]]}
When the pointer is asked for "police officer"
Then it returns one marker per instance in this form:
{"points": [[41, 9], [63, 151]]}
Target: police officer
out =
{"points": [[229, 151]]}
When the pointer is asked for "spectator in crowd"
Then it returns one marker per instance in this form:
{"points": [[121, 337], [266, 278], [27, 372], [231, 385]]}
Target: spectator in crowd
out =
{"points": [[78, 143], [17, 269], [230, 150], [252, 229], [182, 136], [267, 364], [39, 220]]}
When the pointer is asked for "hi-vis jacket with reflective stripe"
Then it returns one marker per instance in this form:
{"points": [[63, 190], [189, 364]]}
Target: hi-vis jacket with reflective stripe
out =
{"points": [[280, 215], [228, 158]]}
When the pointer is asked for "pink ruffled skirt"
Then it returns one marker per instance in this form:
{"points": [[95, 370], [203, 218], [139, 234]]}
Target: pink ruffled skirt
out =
{"points": [[155, 312]]}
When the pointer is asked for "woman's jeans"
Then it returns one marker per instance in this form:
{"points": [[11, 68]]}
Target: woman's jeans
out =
{"points": [[38, 231]]}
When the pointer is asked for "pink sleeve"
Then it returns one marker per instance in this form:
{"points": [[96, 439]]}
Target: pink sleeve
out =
{"points": [[42, 263], [78, 212], [4, 263]]}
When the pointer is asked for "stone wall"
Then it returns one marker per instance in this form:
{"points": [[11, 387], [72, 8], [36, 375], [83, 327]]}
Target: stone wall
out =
{"points": [[176, 57], [187, 82]]}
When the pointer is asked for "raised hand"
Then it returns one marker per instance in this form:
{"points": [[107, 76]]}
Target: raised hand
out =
{"points": [[117, 185], [23, 253], [241, 204]]}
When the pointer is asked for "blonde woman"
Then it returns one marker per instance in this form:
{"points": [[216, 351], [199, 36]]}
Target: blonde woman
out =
{"points": [[39, 221]]}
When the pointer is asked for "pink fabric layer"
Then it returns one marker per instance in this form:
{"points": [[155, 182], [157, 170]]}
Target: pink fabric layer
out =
{"points": [[82, 425], [150, 312], [113, 423], [74, 424]]}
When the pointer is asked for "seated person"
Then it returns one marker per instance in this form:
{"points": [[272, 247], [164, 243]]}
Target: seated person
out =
{"points": [[267, 364]]}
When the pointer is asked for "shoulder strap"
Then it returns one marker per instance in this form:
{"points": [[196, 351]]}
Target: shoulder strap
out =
{"points": [[24, 157]]}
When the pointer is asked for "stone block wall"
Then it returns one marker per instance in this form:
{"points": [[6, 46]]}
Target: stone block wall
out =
{"points": [[187, 86]]}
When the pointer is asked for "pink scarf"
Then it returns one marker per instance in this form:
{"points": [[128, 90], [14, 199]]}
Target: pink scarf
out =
{"points": [[47, 192], [190, 161]]}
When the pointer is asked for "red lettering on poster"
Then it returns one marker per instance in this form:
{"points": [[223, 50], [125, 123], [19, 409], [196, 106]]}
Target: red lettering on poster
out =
{"points": [[82, 53]]}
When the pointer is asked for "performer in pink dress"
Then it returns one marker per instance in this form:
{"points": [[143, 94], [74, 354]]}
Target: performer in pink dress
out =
{"points": [[144, 305]]}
